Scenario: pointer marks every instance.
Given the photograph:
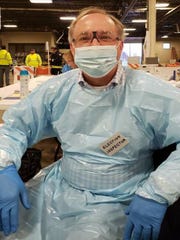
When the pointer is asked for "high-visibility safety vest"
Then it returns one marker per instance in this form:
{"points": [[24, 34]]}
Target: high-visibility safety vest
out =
{"points": [[33, 60], [5, 57], [58, 67]]}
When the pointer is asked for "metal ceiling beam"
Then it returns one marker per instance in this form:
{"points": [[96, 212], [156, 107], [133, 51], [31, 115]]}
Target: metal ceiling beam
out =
{"points": [[47, 10], [40, 9], [168, 14], [131, 5]]}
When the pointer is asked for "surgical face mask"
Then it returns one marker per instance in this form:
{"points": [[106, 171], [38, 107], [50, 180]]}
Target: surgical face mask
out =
{"points": [[96, 61]]}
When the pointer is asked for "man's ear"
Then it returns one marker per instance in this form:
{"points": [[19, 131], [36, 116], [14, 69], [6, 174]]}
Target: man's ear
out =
{"points": [[72, 49], [119, 49], [122, 45]]}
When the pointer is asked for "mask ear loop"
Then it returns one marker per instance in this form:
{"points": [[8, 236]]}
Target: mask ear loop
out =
{"points": [[117, 45]]}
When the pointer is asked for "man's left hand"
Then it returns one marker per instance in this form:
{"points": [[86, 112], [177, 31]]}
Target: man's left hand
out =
{"points": [[144, 219]]}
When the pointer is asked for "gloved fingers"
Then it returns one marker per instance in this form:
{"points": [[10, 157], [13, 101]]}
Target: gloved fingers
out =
{"points": [[14, 218], [127, 210], [147, 233], [155, 233], [24, 198], [0, 222], [9, 219], [137, 232], [5, 217], [128, 230]]}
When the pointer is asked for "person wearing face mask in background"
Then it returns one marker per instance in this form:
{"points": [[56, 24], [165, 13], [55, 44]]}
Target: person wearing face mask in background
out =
{"points": [[68, 62], [109, 121]]}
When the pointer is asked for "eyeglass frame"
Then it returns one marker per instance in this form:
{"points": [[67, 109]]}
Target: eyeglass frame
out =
{"points": [[95, 36]]}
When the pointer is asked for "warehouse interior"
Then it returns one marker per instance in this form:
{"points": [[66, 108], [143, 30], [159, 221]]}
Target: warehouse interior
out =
{"points": [[35, 23], [37, 17]]}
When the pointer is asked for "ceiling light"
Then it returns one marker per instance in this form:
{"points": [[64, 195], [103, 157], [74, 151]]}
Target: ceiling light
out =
{"points": [[162, 5], [159, 6], [67, 18], [140, 9], [10, 26], [164, 8], [139, 21], [40, 1], [129, 29], [165, 36]]}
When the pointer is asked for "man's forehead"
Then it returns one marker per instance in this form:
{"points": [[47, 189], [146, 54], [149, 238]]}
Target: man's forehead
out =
{"points": [[95, 22]]}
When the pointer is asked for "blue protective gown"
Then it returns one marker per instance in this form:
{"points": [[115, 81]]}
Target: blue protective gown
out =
{"points": [[83, 196]]}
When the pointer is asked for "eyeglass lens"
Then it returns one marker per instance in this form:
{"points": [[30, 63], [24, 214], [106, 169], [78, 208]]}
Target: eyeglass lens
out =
{"points": [[101, 36]]}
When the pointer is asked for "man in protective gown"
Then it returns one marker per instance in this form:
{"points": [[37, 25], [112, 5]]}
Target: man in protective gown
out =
{"points": [[109, 121]]}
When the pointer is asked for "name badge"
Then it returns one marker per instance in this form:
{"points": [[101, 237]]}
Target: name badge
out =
{"points": [[114, 144]]}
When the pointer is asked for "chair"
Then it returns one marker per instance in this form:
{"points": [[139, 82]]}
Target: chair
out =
{"points": [[30, 164], [170, 227]]}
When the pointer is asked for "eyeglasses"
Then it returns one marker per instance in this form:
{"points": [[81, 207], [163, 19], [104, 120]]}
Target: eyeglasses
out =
{"points": [[104, 38]]}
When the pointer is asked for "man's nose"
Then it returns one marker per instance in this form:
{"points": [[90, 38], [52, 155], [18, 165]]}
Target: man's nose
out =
{"points": [[95, 41]]}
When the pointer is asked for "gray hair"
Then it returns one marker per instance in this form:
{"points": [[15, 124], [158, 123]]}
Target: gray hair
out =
{"points": [[91, 10]]}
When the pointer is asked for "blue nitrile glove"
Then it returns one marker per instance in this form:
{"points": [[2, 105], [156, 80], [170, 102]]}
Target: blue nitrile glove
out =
{"points": [[11, 189], [144, 219]]}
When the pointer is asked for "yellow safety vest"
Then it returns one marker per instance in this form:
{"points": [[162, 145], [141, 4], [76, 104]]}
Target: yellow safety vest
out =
{"points": [[5, 57], [33, 60]]}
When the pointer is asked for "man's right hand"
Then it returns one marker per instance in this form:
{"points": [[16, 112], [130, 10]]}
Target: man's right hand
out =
{"points": [[11, 189]]}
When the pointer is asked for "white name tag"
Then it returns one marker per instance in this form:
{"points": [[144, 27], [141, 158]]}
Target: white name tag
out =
{"points": [[114, 144]]}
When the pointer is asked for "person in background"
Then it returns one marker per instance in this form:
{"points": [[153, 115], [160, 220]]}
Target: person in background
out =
{"points": [[33, 59], [69, 61], [55, 61], [109, 121], [5, 65]]}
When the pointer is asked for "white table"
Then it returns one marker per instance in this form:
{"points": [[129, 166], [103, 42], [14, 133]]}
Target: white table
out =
{"points": [[6, 93], [165, 73]]}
